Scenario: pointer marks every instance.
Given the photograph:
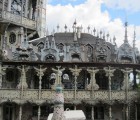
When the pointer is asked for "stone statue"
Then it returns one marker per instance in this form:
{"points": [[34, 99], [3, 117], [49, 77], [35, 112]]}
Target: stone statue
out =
{"points": [[58, 72], [66, 77], [92, 85], [23, 83], [52, 78]]}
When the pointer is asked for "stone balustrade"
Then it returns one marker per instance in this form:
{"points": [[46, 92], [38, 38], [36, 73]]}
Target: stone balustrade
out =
{"points": [[13, 18], [31, 94]]}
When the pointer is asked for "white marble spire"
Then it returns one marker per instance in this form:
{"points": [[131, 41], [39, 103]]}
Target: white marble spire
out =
{"points": [[134, 40], [126, 37]]}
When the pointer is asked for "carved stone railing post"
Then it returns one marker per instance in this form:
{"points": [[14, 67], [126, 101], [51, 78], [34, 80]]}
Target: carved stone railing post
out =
{"points": [[2, 72], [58, 72], [109, 73], [9, 5], [20, 112], [92, 112], [127, 112], [75, 73], [26, 8], [110, 112], [23, 83], [138, 72], [136, 112], [1, 112], [74, 107], [93, 84], [125, 84], [3, 5], [40, 73], [39, 113]]}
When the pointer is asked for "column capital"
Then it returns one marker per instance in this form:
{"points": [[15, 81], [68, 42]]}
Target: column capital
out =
{"points": [[126, 70], [109, 71], [93, 70], [58, 72], [40, 71], [75, 71]]}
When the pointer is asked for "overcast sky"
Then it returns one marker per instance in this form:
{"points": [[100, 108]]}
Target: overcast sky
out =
{"points": [[106, 15]]}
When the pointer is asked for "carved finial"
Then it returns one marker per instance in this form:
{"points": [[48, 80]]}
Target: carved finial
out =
{"points": [[134, 37], [65, 28], [58, 28], [81, 28], [101, 34], [75, 22], [74, 26], [110, 40], [107, 36], [97, 34], [114, 40], [53, 32], [104, 36], [94, 31], [88, 28]]}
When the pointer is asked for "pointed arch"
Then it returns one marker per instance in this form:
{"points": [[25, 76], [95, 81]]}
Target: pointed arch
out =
{"points": [[89, 52], [60, 46], [12, 38]]}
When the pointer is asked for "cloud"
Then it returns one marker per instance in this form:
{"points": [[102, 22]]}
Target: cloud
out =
{"points": [[89, 14], [128, 5]]}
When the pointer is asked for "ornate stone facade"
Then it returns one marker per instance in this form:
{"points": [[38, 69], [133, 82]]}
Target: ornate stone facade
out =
{"points": [[97, 76]]}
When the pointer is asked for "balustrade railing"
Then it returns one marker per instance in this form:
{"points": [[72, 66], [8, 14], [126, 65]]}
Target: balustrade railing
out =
{"points": [[68, 94], [10, 17], [88, 95]]}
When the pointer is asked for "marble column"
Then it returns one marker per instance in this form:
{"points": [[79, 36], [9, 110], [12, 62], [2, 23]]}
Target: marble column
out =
{"points": [[26, 7], [2, 72], [1, 112], [3, 5], [110, 112], [20, 112], [92, 112], [30, 10], [135, 79], [127, 112], [9, 5], [58, 113], [39, 113], [136, 114], [40, 73]]}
